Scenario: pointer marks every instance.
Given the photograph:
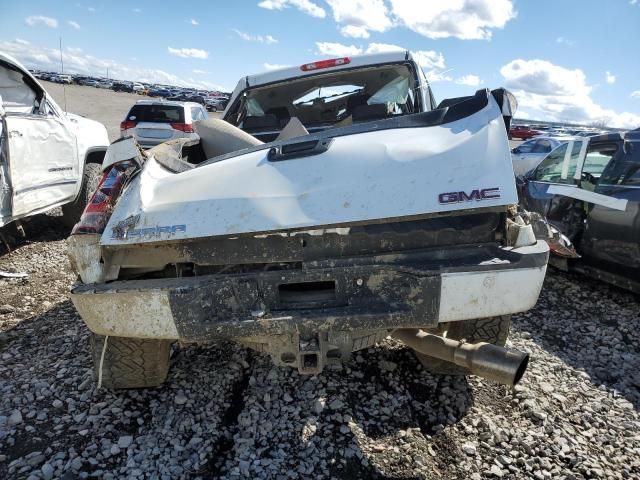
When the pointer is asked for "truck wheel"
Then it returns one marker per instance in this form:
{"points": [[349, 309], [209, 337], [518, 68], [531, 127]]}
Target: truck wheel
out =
{"points": [[130, 362], [493, 330], [71, 212]]}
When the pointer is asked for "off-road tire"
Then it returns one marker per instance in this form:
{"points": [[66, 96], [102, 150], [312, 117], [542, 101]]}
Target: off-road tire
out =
{"points": [[130, 362], [71, 212], [493, 330]]}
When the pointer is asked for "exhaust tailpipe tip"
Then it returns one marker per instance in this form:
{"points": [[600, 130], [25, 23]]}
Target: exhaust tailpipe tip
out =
{"points": [[493, 362]]}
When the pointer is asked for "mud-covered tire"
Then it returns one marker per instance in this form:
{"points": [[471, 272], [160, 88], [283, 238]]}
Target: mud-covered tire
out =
{"points": [[71, 212], [130, 362], [493, 330]]}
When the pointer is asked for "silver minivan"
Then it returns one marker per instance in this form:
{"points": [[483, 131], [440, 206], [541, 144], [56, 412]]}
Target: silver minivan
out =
{"points": [[152, 122]]}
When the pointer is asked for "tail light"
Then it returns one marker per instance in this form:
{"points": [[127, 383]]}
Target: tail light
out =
{"points": [[98, 211], [183, 127], [334, 62], [127, 124]]}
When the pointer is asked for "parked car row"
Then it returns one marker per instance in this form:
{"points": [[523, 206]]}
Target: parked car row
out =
{"points": [[212, 100], [525, 132]]}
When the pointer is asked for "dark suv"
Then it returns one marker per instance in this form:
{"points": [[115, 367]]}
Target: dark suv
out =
{"points": [[589, 189]]}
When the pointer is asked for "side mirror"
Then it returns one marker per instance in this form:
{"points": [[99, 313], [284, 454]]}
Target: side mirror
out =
{"points": [[516, 150]]}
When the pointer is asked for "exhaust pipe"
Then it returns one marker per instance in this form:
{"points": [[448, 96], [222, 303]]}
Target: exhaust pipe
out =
{"points": [[483, 359]]}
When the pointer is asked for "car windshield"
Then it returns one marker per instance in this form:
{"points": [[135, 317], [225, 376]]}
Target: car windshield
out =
{"points": [[335, 98], [156, 113]]}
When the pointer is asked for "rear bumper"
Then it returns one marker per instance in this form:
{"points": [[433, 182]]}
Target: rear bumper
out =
{"points": [[416, 289]]}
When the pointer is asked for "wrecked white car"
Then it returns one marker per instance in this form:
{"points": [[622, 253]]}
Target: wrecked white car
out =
{"points": [[394, 216], [48, 158]]}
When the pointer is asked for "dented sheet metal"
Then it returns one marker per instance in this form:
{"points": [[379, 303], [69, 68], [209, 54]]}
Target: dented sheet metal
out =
{"points": [[40, 176], [378, 175]]}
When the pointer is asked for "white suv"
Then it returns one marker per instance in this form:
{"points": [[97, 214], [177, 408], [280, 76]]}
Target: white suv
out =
{"points": [[152, 122]]}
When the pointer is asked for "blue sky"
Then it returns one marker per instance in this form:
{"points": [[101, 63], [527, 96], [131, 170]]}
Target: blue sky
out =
{"points": [[565, 59]]}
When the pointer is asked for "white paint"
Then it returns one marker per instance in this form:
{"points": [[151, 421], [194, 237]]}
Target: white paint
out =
{"points": [[469, 295], [43, 162], [587, 196], [137, 314], [362, 177]]}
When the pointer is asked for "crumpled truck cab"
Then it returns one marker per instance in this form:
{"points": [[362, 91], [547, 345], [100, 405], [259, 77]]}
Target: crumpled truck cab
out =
{"points": [[311, 247]]}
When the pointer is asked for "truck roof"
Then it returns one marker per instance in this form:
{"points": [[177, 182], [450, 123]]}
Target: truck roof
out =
{"points": [[342, 63], [352, 61]]}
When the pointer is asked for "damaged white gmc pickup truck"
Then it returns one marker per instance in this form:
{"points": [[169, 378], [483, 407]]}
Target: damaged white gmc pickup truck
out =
{"points": [[370, 211]]}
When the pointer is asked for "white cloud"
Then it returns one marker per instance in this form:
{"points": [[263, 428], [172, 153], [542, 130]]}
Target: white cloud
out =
{"points": [[137, 10], [635, 94], [274, 66], [610, 77], [21, 41], [34, 20], [73, 24], [565, 41], [306, 6], [471, 80], [334, 49], [464, 19], [200, 72], [544, 78], [194, 22], [429, 59], [91, 9], [188, 52], [551, 92], [354, 32], [633, 2], [268, 39], [74, 50], [358, 17], [44, 58], [383, 48]]}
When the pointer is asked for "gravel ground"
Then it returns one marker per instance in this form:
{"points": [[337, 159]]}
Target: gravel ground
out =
{"points": [[225, 412]]}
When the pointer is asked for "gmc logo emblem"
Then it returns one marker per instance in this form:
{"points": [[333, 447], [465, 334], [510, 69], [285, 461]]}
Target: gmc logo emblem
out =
{"points": [[477, 195]]}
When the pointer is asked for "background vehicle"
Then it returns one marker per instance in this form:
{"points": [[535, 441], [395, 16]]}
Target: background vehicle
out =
{"points": [[187, 98], [151, 122], [158, 92], [523, 132], [48, 158], [318, 244], [122, 87], [213, 104], [530, 153], [138, 87], [589, 189]]}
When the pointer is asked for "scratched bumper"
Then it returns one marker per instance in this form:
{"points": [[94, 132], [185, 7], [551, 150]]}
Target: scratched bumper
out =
{"points": [[417, 289]]}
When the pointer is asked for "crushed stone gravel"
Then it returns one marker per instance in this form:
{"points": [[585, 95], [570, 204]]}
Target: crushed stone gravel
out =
{"points": [[226, 412]]}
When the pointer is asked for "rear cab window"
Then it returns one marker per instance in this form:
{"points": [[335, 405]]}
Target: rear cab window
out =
{"points": [[334, 99], [156, 114]]}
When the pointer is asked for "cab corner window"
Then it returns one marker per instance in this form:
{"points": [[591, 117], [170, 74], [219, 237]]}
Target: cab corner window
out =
{"points": [[595, 163], [624, 167]]}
